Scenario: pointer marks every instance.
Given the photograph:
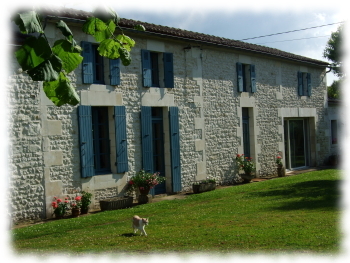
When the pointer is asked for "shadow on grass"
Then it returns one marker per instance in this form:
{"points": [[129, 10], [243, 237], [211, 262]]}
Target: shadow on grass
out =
{"points": [[317, 194], [128, 235]]}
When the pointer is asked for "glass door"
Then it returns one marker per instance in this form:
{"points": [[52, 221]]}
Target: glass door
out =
{"points": [[296, 143]]}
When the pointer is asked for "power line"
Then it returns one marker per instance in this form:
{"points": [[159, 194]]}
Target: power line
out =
{"points": [[292, 31], [289, 40]]}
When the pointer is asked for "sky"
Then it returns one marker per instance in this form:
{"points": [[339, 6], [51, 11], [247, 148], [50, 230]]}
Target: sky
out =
{"points": [[239, 21], [223, 18]]}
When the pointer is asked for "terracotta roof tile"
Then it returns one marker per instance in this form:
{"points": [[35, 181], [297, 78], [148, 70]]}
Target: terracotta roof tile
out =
{"points": [[189, 35]]}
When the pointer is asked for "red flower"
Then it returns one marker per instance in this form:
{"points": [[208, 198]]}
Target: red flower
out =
{"points": [[78, 198], [54, 204], [131, 182], [59, 200], [66, 201]]}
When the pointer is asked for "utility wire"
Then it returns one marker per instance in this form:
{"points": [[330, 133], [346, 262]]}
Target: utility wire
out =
{"points": [[291, 31], [289, 40]]}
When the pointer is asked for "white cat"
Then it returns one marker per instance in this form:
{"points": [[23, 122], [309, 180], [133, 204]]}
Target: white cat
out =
{"points": [[139, 223]]}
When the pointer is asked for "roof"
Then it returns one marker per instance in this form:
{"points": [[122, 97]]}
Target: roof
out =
{"points": [[79, 15]]}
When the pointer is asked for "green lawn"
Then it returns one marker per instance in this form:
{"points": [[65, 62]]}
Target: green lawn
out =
{"points": [[292, 214]]}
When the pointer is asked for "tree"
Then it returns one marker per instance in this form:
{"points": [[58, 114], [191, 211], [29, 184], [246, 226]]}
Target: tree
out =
{"points": [[333, 52], [333, 90], [53, 64]]}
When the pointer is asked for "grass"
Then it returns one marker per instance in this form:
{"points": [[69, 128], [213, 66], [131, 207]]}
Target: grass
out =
{"points": [[291, 214]]}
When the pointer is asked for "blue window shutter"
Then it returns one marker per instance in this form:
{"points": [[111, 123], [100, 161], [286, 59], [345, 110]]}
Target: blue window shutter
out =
{"points": [[86, 141], [146, 68], [300, 83], [146, 138], [308, 77], [168, 70], [120, 139], [252, 78], [239, 70], [175, 148], [114, 71], [88, 76]]}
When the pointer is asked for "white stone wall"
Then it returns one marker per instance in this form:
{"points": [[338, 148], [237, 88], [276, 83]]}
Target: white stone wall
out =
{"points": [[44, 158]]}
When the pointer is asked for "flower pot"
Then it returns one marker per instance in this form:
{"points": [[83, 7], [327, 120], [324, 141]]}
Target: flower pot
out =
{"points": [[75, 212], [144, 190], [201, 187], [84, 210], [59, 216], [116, 203], [281, 171], [247, 177], [144, 199]]}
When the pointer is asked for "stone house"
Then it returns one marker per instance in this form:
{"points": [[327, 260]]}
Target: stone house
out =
{"points": [[185, 106]]}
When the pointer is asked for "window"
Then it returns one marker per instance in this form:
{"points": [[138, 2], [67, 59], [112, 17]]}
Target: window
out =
{"points": [[334, 132], [304, 84], [245, 77], [246, 133], [94, 64], [152, 75], [95, 140], [101, 142]]}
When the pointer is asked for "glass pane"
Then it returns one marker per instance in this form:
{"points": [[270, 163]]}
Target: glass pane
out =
{"points": [[297, 143]]}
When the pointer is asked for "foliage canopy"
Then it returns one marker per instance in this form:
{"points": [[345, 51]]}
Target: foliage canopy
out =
{"points": [[333, 51], [52, 64]]}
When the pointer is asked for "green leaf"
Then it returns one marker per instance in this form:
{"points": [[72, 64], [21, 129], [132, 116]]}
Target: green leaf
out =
{"points": [[126, 41], [61, 91], [33, 52], [28, 22], [107, 33], [93, 25], [140, 28], [68, 54], [64, 29], [47, 71], [125, 56], [109, 48]]}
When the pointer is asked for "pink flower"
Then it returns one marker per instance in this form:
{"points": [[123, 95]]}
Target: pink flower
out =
{"points": [[66, 201], [54, 204], [59, 200], [78, 198], [66, 198]]}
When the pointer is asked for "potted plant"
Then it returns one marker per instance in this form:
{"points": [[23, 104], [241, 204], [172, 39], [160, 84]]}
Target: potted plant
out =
{"points": [[85, 202], [247, 165], [204, 185], [144, 182], [60, 207], [76, 206], [280, 169]]}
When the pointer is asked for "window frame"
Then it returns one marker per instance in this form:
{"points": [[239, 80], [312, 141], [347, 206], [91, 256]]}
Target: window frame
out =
{"points": [[157, 71], [304, 83], [246, 77]]}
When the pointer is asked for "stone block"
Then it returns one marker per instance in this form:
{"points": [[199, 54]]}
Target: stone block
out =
{"points": [[51, 128], [53, 158]]}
